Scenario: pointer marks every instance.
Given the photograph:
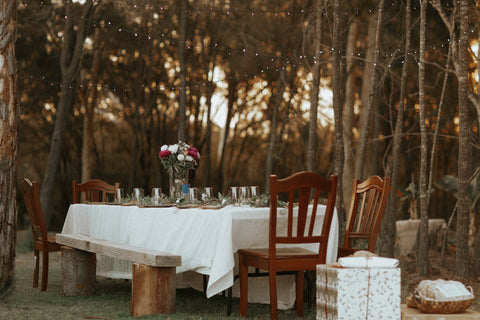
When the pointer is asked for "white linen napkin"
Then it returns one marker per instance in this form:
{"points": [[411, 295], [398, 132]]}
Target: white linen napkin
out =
{"points": [[368, 262]]}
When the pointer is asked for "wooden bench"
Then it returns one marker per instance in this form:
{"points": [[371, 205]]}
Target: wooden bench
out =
{"points": [[153, 277]]}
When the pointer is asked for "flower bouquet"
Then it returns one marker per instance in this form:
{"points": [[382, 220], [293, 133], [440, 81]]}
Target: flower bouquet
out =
{"points": [[178, 159]]}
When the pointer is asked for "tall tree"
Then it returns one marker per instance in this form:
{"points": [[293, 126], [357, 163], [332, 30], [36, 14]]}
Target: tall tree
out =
{"points": [[349, 165], [388, 231], [90, 104], [9, 120], [312, 130], [371, 92], [70, 61], [281, 84], [463, 210], [182, 95], [338, 104], [422, 254]]}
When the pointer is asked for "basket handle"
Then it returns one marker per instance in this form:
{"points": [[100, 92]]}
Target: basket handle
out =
{"points": [[470, 289], [417, 295]]}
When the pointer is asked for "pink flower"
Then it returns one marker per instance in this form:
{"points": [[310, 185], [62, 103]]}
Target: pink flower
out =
{"points": [[164, 153], [193, 152]]}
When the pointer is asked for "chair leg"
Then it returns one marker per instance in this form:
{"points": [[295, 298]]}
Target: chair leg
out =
{"points": [[229, 301], [44, 270], [35, 270], [243, 272], [299, 276], [273, 295]]}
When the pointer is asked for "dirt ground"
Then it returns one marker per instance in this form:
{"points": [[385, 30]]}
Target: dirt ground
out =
{"points": [[411, 278]]}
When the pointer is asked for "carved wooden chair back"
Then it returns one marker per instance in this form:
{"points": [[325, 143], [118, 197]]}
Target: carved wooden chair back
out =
{"points": [[93, 190], [368, 204]]}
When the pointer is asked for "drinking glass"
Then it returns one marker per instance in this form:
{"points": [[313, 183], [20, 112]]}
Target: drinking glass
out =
{"points": [[254, 191], [119, 196], [192, 194], [244, 195], [235, 196], [156, 195], [138, 194], [207, 194]]}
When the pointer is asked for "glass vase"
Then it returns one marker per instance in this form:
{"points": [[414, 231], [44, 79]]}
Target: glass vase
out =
{"points": [[178, 177]]}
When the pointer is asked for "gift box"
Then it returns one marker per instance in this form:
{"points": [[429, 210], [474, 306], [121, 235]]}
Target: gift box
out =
{"points": [[371, 293]]}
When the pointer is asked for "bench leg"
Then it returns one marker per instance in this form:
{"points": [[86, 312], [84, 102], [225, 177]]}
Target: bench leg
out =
{"points": [[78, 272], [153, 290]]}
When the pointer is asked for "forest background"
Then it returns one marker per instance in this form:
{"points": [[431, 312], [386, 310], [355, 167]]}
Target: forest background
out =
{"points": [[352, 88]]}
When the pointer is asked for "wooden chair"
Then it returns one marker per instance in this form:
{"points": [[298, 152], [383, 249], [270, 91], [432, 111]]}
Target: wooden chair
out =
{"points": [[94, 190], [369, 200], [41, 241], [277, 259]]}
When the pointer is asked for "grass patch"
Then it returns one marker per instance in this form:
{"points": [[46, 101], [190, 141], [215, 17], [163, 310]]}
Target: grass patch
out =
{"points": [[112, 300]]}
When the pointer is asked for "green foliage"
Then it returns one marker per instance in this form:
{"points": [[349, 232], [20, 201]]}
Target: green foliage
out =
{"points": [[450, 185]]}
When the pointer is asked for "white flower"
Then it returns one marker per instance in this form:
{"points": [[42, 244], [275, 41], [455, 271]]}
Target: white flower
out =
{"points": [[188, 158], [164, 147], [180, 157], [173, 148]]}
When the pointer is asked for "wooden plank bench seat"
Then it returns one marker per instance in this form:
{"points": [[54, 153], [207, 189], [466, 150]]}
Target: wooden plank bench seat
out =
{"points": [[153, 275]]}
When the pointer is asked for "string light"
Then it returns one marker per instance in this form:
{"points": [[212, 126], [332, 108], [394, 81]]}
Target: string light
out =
{"points": [[295, 61], [228, 51]]}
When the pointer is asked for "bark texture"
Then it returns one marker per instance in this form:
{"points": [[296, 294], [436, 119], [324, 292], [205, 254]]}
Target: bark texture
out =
{"points": [[463, 148], [389, 228], [422, 254], [70, 61], [9, 120]]}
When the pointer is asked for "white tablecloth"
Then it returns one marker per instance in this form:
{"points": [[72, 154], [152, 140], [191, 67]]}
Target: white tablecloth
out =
{"points": [[207, 240]]}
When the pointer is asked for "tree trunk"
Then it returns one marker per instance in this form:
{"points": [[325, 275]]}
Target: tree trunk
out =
{"points": [[422, 253], [87, 143], [70, 61], [463, 211], [312, 130], [389, 226], [349, 162], [182, 102], [9, 120], [273, 129], [207, 155], [338, 106], [371, 94], [232, 87]]}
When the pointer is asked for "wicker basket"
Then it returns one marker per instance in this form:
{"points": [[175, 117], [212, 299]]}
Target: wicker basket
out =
{"points": [[436, 304]]}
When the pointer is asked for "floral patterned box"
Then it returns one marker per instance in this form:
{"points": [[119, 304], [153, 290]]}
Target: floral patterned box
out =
{"points": [[358, 293]]}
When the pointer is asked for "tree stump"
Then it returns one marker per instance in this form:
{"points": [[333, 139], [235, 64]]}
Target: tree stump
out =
{"points": [[78, 272], [153, 290]]}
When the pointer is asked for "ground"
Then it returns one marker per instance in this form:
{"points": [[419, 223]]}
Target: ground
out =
{"points": [[409, 275]]}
